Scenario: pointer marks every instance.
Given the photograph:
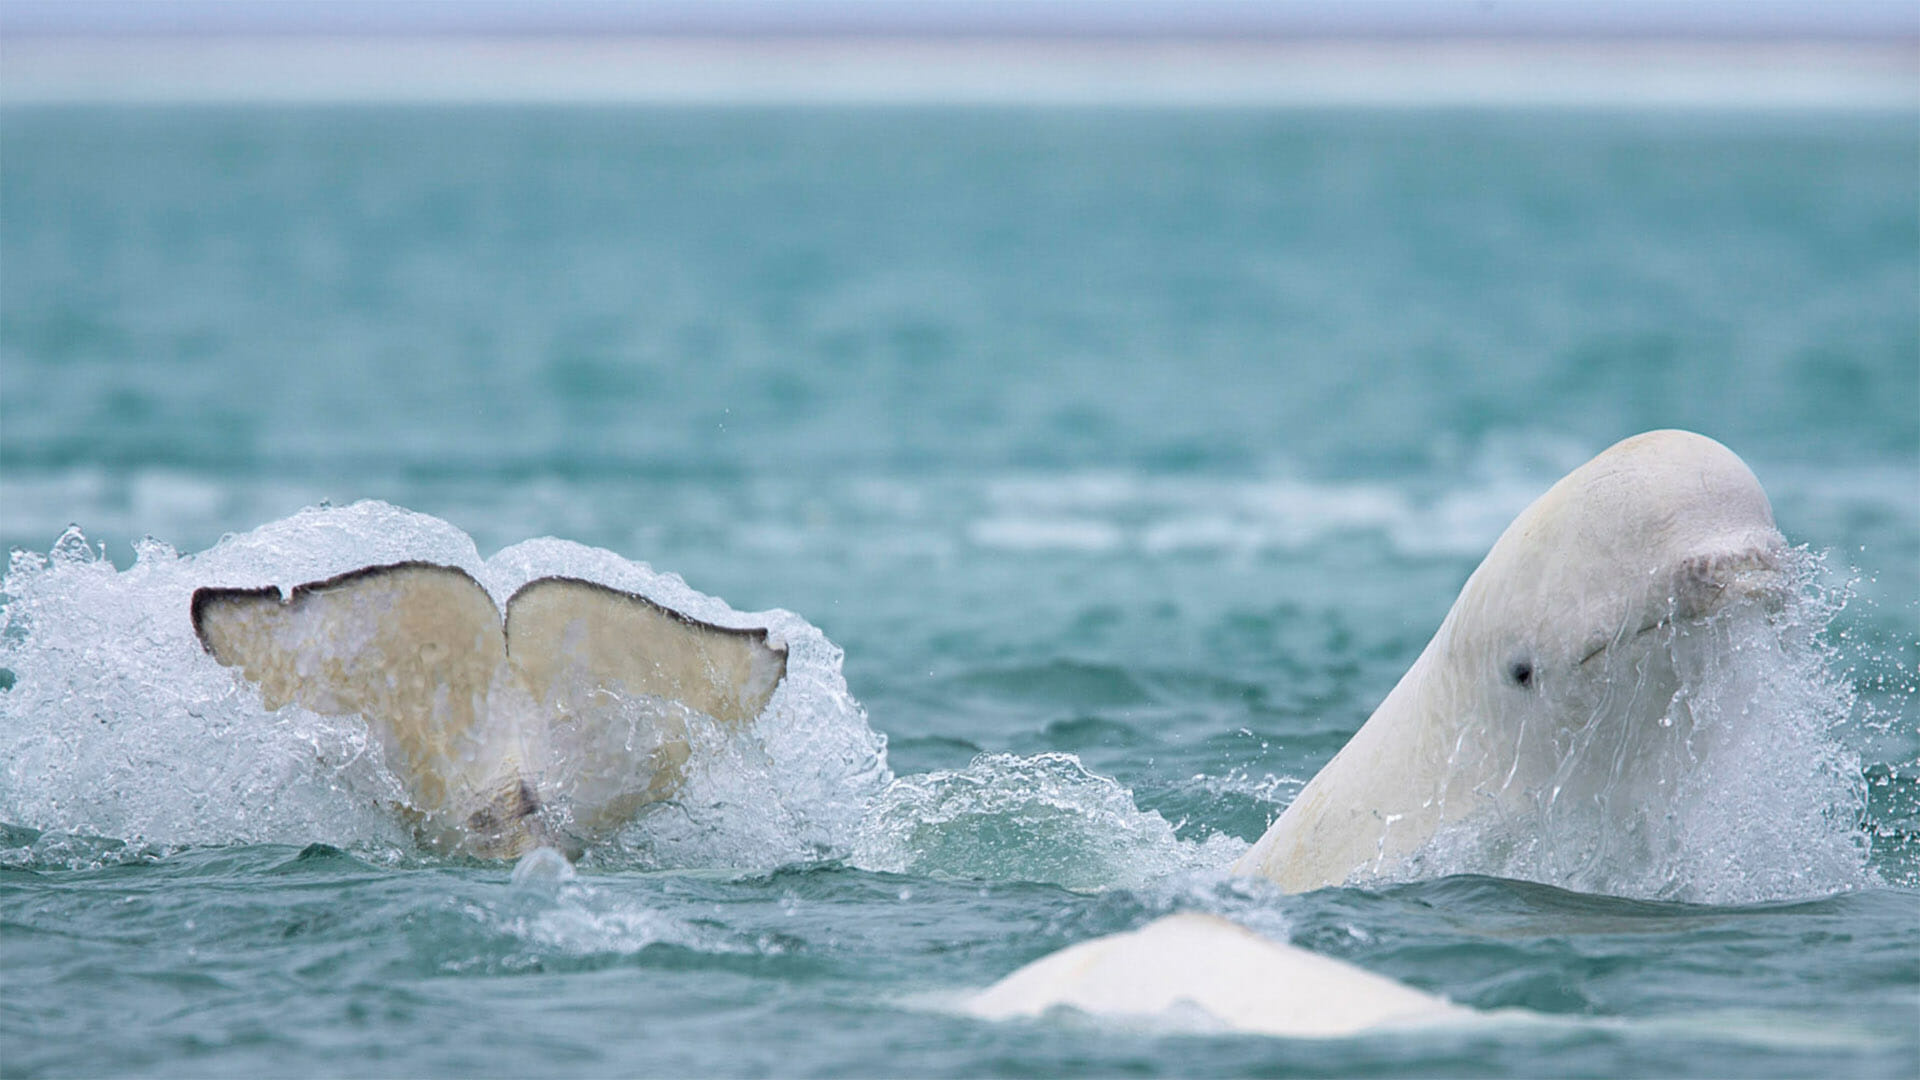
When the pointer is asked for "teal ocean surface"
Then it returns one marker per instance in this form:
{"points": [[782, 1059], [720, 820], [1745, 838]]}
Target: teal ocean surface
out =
{"points": [[1129, 457]]}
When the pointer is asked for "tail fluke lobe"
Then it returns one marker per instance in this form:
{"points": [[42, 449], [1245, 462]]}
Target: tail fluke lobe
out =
{"points": [[563, 631], [414, 648], [573, 712], [621, 681]]}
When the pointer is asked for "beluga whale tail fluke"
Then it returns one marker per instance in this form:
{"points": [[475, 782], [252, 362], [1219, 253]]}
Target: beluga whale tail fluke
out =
{"points": [[551, 726]]}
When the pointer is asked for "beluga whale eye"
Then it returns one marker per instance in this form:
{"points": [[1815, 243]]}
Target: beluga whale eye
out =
{"points": [[1520, 672]]}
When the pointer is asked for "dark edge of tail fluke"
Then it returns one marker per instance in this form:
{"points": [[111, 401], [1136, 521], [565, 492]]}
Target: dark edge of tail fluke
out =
{"points": [[208, 595], [752, 633]]}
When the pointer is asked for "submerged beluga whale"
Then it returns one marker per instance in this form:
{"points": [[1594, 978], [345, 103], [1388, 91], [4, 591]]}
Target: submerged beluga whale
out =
{"points": [[1549, 689], [552, 725]]}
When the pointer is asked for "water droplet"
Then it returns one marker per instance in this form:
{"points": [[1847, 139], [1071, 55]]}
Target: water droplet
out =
{"points": [[148, 551], [72, 548]]}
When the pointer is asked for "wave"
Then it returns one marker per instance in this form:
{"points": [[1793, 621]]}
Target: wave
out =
{"points": [[1454, 508], [1044, 818]]}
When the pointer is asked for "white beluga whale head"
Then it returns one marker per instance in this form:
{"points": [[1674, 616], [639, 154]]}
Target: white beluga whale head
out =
{"points": [[1553, 692]]}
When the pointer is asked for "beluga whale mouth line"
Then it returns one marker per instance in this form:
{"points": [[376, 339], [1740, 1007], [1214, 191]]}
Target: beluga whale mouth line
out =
{"points": [[1601, 649], [1704, 586], [1750, 575]]}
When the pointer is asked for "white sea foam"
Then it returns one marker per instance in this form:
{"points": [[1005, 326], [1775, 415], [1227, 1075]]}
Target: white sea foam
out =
{"points": [[553, 912], [1043, 818], [1275, 791], [118, 724]]}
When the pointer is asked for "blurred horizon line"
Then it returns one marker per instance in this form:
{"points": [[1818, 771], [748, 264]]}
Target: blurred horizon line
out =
{"points": [[1791, 54]]}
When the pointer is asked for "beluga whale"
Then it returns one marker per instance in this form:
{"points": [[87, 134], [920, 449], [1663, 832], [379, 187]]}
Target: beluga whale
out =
{"points": [[1550, 687], [1553, 693], [550, 725]]}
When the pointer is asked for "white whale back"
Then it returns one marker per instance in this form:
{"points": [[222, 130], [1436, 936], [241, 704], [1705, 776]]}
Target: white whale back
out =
{"points": [[1233, 977]]}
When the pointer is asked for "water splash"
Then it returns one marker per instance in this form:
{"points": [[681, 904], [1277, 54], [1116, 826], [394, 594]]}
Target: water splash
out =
{"points": [[118, 725], [120, 739], [1044, 818], [1739, 791], [551, 913]]}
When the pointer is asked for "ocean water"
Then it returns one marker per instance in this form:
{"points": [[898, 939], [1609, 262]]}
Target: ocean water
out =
{"points": [[1112, 465]]}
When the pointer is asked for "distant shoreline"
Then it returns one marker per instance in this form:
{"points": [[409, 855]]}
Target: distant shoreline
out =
{"points": [[864, 69]]}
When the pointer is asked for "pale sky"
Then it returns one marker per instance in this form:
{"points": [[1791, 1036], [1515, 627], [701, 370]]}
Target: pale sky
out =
{"points": [[1814, 19]]}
